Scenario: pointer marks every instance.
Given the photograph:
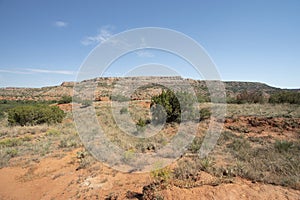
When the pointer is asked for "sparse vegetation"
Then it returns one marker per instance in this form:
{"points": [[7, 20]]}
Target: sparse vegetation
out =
{"points": [[119, 97], [161, 175], [283, 146], [83, 102], [276, 163], [85, 159], [65, 143], [187, 170], [53, 132], [10, 142], [263, 148]]}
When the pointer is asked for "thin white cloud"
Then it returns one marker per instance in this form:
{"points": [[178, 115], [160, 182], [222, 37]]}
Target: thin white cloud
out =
{"points": [[65, 72], [60, 24], [35, 70], [14, 71], [104, 33]]}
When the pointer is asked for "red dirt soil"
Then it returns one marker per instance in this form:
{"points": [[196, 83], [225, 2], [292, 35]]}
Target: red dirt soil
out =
{"points": [[55, 178]]}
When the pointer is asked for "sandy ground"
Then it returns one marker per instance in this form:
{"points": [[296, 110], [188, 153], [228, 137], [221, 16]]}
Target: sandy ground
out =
{"points": [[57, 178]]}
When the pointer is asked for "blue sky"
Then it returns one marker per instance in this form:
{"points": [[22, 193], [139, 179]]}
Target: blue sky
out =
{"points": [[43, 43]]}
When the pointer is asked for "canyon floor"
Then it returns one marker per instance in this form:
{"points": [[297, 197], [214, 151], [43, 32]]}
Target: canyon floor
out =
{"points": [[256, 157]]}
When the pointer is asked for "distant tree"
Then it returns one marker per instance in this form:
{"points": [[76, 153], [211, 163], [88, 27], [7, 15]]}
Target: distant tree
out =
{"points": [[285, 97], [173, 110], [168, 100]]}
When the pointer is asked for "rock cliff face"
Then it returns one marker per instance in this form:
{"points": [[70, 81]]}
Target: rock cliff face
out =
{"points": [[132, 87]]}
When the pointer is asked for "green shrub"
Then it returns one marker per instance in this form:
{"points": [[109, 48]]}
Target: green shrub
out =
{"points": [[161, 175], [172, 109], [86, 103], [285, 97], [205, 113], [171, 105], [195, 145], [141, 125], [53, 132], [68, 143], [12, 152], [6, 105], [65, 99], [119, 98], [33, 115], [10, 142], [283, 146], [123, 110]]}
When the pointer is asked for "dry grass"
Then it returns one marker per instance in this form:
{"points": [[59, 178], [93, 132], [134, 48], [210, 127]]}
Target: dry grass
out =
{"points": [[253, 158], [265, 110], [129, 140], [268, 162], [36, 142]]}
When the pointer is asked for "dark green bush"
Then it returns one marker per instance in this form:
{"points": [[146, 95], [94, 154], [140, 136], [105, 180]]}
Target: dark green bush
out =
{"points": [[285, 97], [123, 110], [6, 105], [173, 111], [65, 99], [168, 100], [33, 115]]}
